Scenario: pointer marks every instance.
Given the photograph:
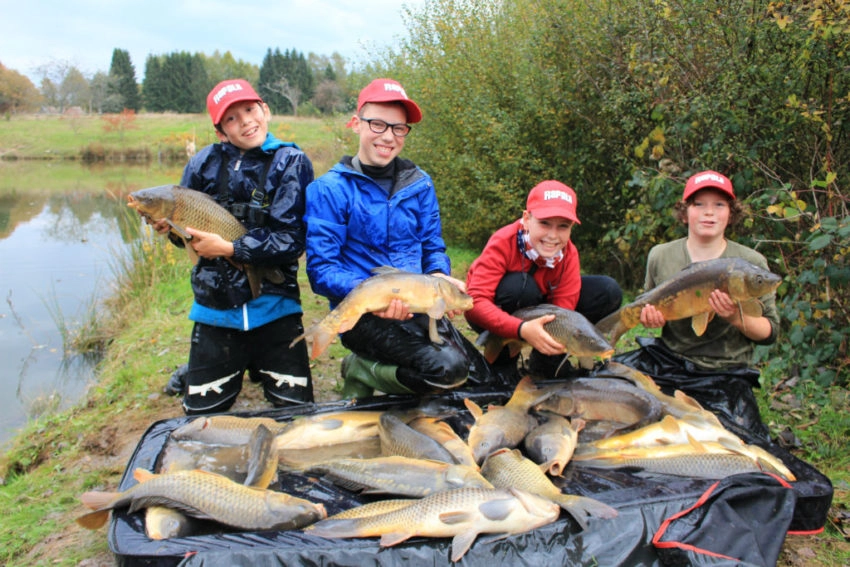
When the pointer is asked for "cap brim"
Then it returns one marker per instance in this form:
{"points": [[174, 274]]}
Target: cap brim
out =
{"points": [[550, 212]]}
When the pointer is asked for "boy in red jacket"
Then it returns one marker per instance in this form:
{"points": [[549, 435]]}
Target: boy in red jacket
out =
{"points": [[533, 261]]}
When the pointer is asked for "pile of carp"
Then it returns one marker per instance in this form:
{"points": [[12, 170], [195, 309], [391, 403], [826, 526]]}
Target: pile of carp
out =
{"points": [[423, 476]]}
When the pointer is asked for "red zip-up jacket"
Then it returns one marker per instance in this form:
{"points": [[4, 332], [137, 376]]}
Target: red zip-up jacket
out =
{"points": [[559, 285]]}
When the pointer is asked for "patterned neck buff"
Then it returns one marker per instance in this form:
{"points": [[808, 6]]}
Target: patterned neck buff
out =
{"points": [[524, 243]]}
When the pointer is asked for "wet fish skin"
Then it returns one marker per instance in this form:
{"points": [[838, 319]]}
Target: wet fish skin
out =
{"points": [[508, 468], [686, 294], [398, 438], [206, 496], [709, 460], [225, 429], [442, 432], [677, 405], [504, 426], [400, 476], [461, 514], [552, 443], [183, 207], [347, 426], [422, 293], [255, 464], [570, 328]]}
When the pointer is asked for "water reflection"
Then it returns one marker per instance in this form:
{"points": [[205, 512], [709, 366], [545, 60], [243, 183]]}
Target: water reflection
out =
{"points": [[58, 245]]}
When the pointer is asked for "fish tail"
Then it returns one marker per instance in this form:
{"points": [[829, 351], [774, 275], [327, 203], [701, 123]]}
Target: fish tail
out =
{"points": [[581, 506], [321, 339], [97, 500], [93, 520]]}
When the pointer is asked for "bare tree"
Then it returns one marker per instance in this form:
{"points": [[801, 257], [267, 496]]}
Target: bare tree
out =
{"points": [[287, 91]]}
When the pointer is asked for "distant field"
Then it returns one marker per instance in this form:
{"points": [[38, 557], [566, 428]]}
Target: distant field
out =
{"points": [[40, 136]]}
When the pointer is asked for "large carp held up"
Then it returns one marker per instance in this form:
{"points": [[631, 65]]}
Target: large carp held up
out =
{"points": [[686, 295], [185, 208]]}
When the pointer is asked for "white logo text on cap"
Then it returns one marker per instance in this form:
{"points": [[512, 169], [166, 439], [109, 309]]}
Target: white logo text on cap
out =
{"points": [[557, 195], [226, 90], [396, 88], [709, 177]]}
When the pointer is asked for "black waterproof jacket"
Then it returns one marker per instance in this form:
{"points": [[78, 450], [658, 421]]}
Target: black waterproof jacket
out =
{"points": [[277, 241]]}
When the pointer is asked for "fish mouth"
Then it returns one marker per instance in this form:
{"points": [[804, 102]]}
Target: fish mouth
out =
{"points": [[132, 202]]}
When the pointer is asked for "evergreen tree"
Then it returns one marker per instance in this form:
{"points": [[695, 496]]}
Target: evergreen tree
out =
{"points": [[123, 86]]}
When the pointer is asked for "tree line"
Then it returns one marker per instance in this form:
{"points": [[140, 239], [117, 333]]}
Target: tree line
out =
{"points": [[289, 81]]}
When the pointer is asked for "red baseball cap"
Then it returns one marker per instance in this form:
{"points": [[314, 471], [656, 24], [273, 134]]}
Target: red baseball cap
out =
{"points": [[705, 179], [226, 93], [388, 90], [552, 199]]}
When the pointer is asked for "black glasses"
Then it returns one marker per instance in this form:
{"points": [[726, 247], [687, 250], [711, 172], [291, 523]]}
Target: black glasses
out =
{"points": [[379, 127]]}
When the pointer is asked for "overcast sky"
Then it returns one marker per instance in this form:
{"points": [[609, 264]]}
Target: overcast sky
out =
{"points": [[83, 33]]}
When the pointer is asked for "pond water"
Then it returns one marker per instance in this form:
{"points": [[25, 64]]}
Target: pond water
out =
{"points": [[62, 226]]}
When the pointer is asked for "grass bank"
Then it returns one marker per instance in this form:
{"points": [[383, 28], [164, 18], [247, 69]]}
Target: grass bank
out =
{"points": [[56, 458]]}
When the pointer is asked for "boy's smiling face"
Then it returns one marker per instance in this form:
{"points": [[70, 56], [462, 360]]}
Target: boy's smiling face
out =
{"points": [[378, 150], [547, 236], [245, 124]]}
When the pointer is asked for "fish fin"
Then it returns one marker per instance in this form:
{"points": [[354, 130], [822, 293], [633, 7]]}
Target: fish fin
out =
{"points": [[581, 506], [751, 307], [97, 500], [586, 362], [393, 538], [193, 255], [432, 331], [700, 322], [461, 543], [696, 445], [473, 408], [254, 280], [437, 309], [93, 520], [321, 340], [142, 475], [496, 509], [669, 425], [259, 446]]}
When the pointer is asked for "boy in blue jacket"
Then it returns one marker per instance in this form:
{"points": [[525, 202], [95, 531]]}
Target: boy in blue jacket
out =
{"points": [[261, 180], [377, 209]]}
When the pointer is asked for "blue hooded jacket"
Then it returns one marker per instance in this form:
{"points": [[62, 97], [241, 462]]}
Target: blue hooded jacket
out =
{"points": [[354, 226]]}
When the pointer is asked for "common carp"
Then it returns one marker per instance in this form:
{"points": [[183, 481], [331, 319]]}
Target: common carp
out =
{"points": [[422, 293], [617, 402], [552, 443], [688, 431], [460, 514], [255, 464], [677, 405], [503, 426], [207, 496], [400, 476], [686, 295], [225, 429], [508, 468], [186, 208], [570, 328], [709, 459]]}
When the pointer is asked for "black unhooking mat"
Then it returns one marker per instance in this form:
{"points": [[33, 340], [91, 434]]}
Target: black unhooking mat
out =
{"points": [[663, 520]]}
